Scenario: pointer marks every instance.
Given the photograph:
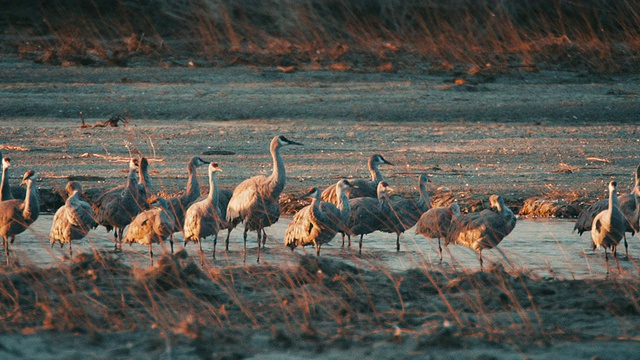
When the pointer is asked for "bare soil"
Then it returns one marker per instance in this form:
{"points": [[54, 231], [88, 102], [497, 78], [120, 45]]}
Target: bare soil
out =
{"points": [[556, 135]]}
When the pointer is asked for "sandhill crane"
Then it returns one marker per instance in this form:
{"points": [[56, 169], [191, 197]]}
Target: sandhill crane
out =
{"points": [[435, 223], [318, 223], [116, 208], [151, 226], [628, 205], [179, 204], [484, 229], [609, 226], [144, 184], [5, 189], [361, 187], [73, 220], [405, 213], [369, 214], [255, 200], [17, 215], [202, 218]]}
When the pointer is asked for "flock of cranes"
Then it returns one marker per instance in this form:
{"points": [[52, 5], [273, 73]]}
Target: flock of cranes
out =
{"points": [[350, 207]]}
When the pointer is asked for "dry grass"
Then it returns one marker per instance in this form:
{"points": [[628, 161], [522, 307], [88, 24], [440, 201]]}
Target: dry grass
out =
{"points": [[320, 301], [476, 37]]}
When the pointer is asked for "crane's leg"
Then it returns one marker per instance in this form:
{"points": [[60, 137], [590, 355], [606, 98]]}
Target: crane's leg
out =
{"points": [[151, 253], [606, 258], [5, 244], [626, 246], [440, 250], [115, 239], [342, 239], [264, 237], [480, 259], [171, 242], [215, 242], [361, 235], [70, 251], [616, 259], [201, 252], [318, 245], [244, 235], [397, 241], [226, 242], [259, 233], [119, 241]]}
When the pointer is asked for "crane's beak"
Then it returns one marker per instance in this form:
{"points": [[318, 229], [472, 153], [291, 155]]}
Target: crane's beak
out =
{"points": [[291, 142]]}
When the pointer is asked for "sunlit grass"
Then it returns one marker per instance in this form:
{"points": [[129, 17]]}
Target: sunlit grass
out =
{"points": [[474, 36]]}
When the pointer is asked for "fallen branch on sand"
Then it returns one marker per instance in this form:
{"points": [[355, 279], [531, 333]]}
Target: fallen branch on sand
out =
{"points": [[115, 158], [598, 159], [111, 122]]}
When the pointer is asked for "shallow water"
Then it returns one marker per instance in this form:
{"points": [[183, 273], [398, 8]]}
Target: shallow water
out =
{"points": [[543, 246]]}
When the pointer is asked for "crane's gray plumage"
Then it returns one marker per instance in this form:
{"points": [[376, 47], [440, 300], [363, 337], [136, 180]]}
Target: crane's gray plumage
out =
{"points": [[179, 204], [405, 213], [435, 223], [484, 229], [144, 184], [628, 205], [5, 189], [369, 214], [609, 225], [318, 223], [203, 217], [17, 215], [224, 196], [255, 200], [151, 226], [116, 208], [73, 220], [360, 187]]}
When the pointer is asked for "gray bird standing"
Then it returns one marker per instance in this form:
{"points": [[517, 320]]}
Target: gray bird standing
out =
{"points": [[482, 230], [369, 214], [116, 208], [435, 223], [202, 218], [609, 226], [17, 215], [255, 200], [318, 223], [179, 204], [73, 220], [361, 187], [628, 205], [405, 213], [5, 189]]}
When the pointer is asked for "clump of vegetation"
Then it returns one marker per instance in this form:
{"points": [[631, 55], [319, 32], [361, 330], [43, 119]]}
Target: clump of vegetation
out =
{"points": [[470, 36]]}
